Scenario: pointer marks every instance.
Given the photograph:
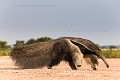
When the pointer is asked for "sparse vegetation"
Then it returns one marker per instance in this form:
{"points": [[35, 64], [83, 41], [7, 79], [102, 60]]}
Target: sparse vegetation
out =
{"points": [[4, 52], [4, 48], [42, 39], [111, 53]]}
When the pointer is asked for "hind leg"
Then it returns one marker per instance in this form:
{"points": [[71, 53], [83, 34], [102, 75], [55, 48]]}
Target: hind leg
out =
{"points": [[57, 61], [53, 63], [56, 56]]}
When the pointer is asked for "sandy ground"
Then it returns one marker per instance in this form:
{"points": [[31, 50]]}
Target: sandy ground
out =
{"points": [[61, 72]]}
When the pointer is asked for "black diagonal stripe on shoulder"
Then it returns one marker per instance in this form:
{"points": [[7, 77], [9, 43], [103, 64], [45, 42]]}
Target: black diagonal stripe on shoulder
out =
{"points": [[83, 48]]}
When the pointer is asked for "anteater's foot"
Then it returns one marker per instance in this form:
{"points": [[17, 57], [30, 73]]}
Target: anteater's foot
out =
{"points": [[49, 67]]}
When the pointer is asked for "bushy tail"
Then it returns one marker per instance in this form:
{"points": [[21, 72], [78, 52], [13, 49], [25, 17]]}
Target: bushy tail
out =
{"points": [[29, 59]]}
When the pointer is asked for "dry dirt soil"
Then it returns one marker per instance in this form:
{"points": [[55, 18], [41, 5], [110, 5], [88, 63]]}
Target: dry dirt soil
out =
{"points": [[8, 71]]}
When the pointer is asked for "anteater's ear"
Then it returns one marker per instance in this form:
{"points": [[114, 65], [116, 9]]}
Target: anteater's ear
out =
{"points": [[80, 45]]}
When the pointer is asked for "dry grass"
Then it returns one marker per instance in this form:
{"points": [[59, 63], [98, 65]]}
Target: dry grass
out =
{"points": [[5, 52], [111, 53]]}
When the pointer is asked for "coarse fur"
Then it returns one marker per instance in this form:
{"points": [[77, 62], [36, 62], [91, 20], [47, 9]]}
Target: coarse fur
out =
{"points": [[89, 49], [38, 55], [32, 56]]}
